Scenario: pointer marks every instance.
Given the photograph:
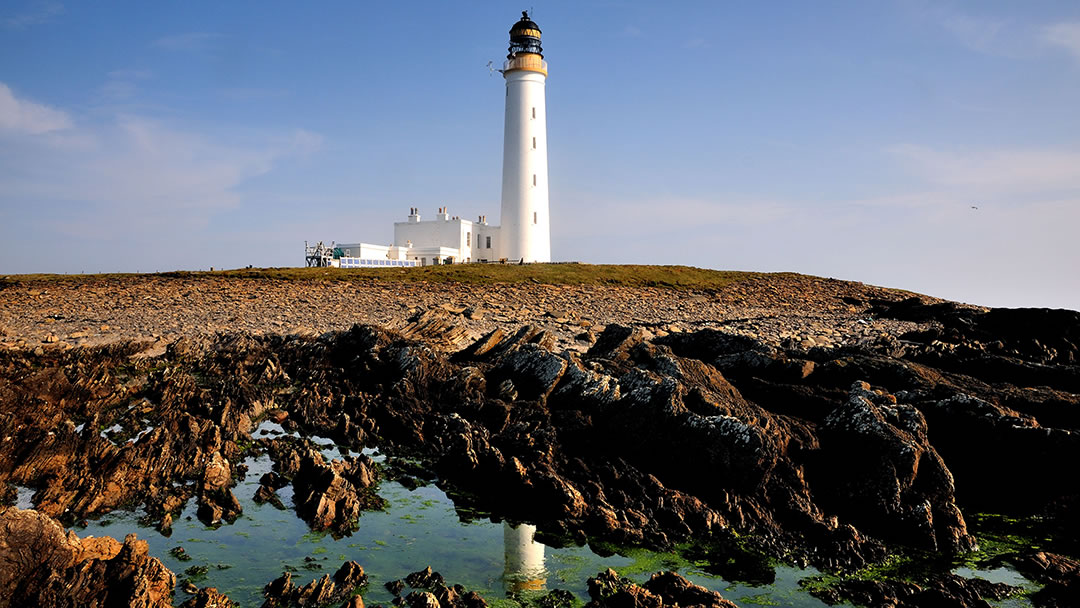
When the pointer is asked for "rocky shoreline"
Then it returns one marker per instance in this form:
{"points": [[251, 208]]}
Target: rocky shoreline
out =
{"points": [[773, 308], [809, 420]]}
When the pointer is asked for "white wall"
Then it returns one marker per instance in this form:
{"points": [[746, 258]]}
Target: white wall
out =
{"points": [[443, 231], [480, 249], [427, 256], [525, 226]]}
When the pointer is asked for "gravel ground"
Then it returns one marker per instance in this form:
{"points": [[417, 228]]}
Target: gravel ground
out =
{"points": [[794, 310]]}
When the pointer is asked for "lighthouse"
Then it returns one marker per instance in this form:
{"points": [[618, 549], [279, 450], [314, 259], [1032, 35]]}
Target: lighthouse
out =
{"points": [[525, 233]]}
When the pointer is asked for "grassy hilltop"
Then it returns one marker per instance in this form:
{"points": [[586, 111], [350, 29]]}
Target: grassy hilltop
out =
{"points": [[678, 277]]}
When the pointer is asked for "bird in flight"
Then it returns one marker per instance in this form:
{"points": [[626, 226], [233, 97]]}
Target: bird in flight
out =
{"points": [[974, 207]]}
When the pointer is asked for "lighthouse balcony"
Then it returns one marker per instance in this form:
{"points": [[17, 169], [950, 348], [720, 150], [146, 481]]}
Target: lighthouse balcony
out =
{"points": [[528, 62]]}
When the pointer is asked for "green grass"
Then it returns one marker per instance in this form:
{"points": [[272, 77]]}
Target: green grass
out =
{"points": [[677, 277]]}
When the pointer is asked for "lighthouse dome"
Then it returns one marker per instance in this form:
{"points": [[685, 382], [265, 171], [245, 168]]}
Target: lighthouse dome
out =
{"points": [[525, 37], [525, 27]]}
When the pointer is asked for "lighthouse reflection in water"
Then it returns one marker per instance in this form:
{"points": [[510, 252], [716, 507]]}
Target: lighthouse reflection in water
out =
{"points": [[524, 559]]}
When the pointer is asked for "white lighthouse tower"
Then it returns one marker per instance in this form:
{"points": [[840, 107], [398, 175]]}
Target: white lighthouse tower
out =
{"points": [[525, 233]]}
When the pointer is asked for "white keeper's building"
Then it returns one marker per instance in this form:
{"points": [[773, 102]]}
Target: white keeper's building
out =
{"points": [[524, 235]]}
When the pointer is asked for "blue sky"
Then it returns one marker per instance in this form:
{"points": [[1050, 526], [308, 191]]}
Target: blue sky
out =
{"points": [[842, 139]]}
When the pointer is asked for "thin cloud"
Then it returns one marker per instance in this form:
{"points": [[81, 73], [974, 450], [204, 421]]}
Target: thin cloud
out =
{"points": [[131, 172], [24, 116], [189, 42], [1064, 35], [121, 84], [668, 214], [131, 74], [1012, 170], [34, 14], [116, 90], [987, 35], [249, 93], [977, 33]]}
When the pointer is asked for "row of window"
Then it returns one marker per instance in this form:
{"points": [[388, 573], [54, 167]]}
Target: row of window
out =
{"points": [[366, 263]]}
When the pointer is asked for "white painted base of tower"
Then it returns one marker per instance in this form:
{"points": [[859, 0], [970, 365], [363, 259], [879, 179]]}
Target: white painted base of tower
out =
{"points": [[525, 227], [524, 558]]}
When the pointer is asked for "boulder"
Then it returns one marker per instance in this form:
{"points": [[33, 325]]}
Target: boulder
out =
{"points": [[208, 598], [282, 592], [609, 590], [876, 467], [40, 565]]}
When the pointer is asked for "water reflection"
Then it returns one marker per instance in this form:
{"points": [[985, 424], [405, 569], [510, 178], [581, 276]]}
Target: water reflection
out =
{"points": [[524, 570]]}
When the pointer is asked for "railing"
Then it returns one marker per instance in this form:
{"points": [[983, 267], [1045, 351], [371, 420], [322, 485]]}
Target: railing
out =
{"points": [[349, 262], [528, 61]]}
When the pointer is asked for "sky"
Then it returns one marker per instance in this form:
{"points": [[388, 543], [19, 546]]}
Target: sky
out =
{"points": [[927, 146]]}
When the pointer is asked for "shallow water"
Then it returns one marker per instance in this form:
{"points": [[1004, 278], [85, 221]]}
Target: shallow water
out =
{"points": [[419, 528], [1002, 575], [24, 497]]}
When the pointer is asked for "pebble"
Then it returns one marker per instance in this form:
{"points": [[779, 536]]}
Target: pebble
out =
{"points": [[773, 309]]}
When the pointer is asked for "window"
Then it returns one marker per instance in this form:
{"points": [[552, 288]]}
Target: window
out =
{"points": [[489, 242], [534, 179], [534, 217], [534, 112], [534, 143], [468, 238]]}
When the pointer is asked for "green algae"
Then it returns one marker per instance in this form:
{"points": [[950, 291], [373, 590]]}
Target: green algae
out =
{"points": [[1000, 537]]}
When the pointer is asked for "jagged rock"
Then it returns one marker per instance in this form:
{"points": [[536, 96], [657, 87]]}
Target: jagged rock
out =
{"points": [[448, 597], [331, 496], [610, 590], [395, 587], [1059, 575], [437, 328], [217, 475], [351, 575], [473, 599], [557, 598], [421, 599], [42, 566], [282, 593], [879, 469], [947, 591], [594, 444], [496, 344], [216, 506], [267, 494], [533, 371], [425, 579], [165, 525], [208, 598]]}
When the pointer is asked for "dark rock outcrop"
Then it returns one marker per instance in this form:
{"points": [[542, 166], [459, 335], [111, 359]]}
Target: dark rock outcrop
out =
{"points": [[425, 579], [282, 592], [947, 591], [40, 565], [1059, 575], [208, 598], [609, 590], [330, 496], [830, 456]]}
